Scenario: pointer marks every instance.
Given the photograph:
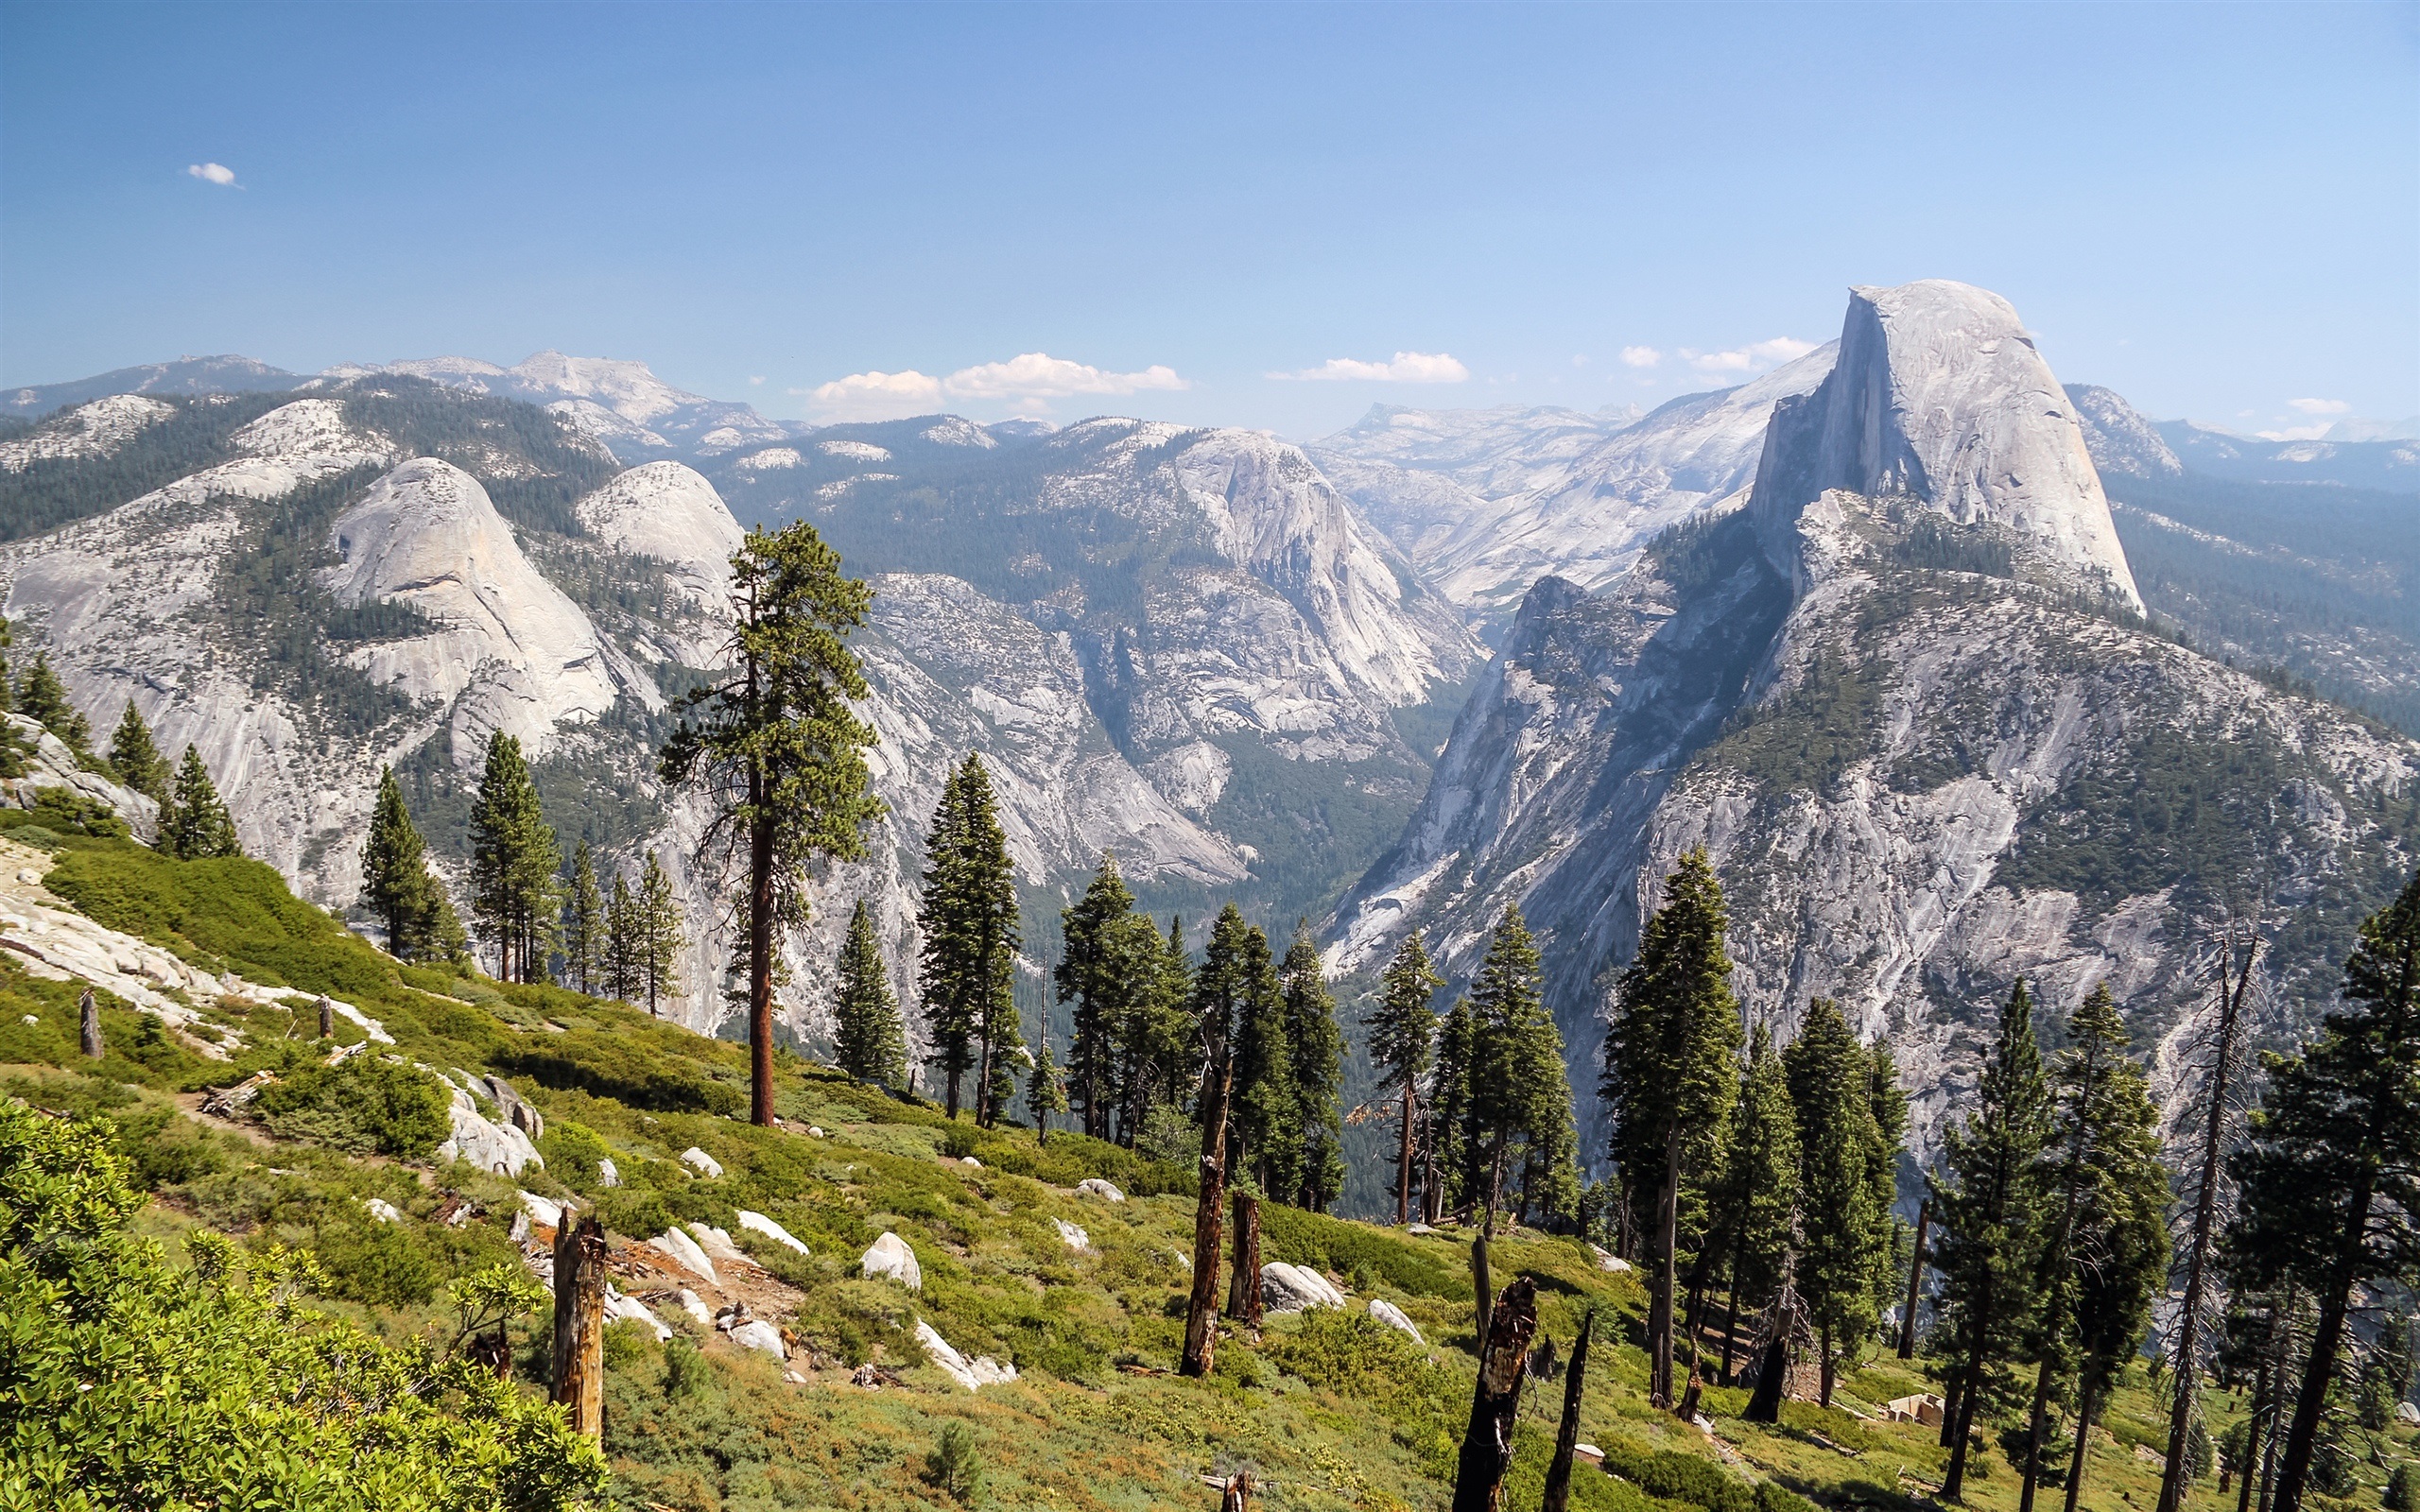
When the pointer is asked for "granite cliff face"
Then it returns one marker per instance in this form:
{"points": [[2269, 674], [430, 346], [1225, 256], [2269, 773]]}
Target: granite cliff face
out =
{"points": [[383, 572], [1903, 697]]}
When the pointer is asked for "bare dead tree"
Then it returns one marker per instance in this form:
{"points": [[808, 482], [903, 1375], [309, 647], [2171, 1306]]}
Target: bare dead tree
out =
{"points": [[1496, 1399], [1202, 1313], [580, 1321], [2185, 1353], [1567, 1438]]}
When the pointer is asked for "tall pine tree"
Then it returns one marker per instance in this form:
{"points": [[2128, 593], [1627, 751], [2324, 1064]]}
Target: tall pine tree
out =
{"points": [[968, 919], [1844, 1224], [1096, 991], [1317, 1047], [1403, 1036], [514, 859], [869, 1041], [1986, 1216], [1450, 1179], [625, 943], [1756, 1197], [396, 883], [2330, 1173], [1239, 1002], [582, 935], [1045, 1093], [135, 758], [196, 825], [42, 697], [1520, 1090], [1671, 1058], [779, 750]]}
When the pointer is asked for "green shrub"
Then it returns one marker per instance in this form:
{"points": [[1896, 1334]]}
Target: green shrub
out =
{"points": [[1302, 1238], [572, 1151], [383, 1264], [363, 1104], [2403, 1490], [1678, 1477], [956, 1464], [604, 1066]]}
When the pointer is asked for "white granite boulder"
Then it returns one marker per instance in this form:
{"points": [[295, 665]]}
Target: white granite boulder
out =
{"points": [[1395, 1317], [1074, 1235], [758, 1223], [1286, 1288], [684, 1251], [498, 1148], [890, 1256], [700, 1161], [758, 1334], [1094, 1187], [973, 1374]]}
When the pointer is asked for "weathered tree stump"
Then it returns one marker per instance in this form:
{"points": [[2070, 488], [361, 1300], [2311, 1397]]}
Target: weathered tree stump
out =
{"points": [[580, 1321], [1504, 1360], [88, 1012], [1566, 1436], [1202, 1313], [1243, 1292]]}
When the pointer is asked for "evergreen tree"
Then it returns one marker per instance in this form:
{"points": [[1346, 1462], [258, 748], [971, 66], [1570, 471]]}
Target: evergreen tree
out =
{"points": [[869, 1040], [1671, 1056], [514, 859], [969, 916], [1986, 1218], [1450, 1179], [1238, 1001], [1843, 1228], [2106, 1197], [660, 936], [1887, 1102], [583, 925], [42, 697], [8, 686], [1757, 1195], [396, 883], [779, 750], [135, 757], [1403, 1035], [195, 826], [1520, 1092], [1316, 1046], [1096, 992], [624, 948], [2330, 1172], [1158, 1047], [1046, 1091]]}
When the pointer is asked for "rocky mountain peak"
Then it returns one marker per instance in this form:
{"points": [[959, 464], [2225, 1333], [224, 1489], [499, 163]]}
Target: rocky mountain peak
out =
{"points": [[1939, 394]]}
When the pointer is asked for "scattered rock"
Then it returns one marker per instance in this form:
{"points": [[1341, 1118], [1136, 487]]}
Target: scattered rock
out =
{"points": [[383, 1211], [1424, 1229], [968, 1160], [1076, 1237], [973, 1374], [705, 1164], [758, 1223], [544, 1210], [684, 1251], [2406, 1413], [758, 1334], [606, 1175], [1607, 1260], [817, 1132], [1395, 1317], [618, 1306], [717, 1242], [1286, 1288], [1094, 1187], [890, 1256], [515, 1111], [695, 1306], [499, 1148]]}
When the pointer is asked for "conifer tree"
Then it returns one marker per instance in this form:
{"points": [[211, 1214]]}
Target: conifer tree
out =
{"points": [[1157, 1043], [1671, 1058], [514, 859], [135, 758], [42, 697], [1756, 1195], [2330, 1172], [1315, 1046], [1403, 1035], [660, 937], [583, 925], [1238, 1001], [624, 948], [1096, 992], [869, 1041], [1450, 1179], [396, 883], [969, 916], [2105, 1238], [7, 685], [1520, 1090], [1047, 1090], [779, 750], [1843, 1228], [1986, 1215], [196, 825]]}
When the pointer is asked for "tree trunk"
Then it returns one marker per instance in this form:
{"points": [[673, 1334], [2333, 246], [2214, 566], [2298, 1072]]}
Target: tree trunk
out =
{"points": [[579, 1322], [1495, 1398], [2293, 1467], [760, 950], [1243, 1297], [1659, 1308], [983, 1110], [1402, 1163], [1481, 1294], [1950, 1381], [88, 1012], [327, 1019], [1962, 1429], [2171, 1479], [1730, 1332], [2085, 1407], [1566, 1436], [1825, 1364], [2034, 1434], [1237, 1496], [1201, 1317], [1916, 1281]]}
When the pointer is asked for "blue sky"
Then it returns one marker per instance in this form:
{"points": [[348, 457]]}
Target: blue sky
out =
{"points": [[2213, 209]]}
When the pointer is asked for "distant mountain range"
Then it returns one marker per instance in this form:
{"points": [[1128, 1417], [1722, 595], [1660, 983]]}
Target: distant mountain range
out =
{"points": [[1960, 674]]}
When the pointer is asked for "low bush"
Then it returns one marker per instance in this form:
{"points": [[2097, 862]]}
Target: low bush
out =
{"points": [[1302, 1238], [365, 1106], [1678, 1477], [606, 1066]]}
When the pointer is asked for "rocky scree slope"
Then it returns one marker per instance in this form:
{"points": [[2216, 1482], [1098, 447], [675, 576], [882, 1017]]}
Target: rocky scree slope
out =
{"points": [[1929, 745]]}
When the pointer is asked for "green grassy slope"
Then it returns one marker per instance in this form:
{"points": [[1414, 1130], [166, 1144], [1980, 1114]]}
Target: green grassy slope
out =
{"points": [[1329, 1409]]}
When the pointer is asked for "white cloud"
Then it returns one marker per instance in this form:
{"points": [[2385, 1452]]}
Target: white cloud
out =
{"points": [[757, 379], [1038, 375], [1024, 384], [2319, 406], [1641, 357], [1405, 367], [1755, 355], [218, 173], [2295, 432]]}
